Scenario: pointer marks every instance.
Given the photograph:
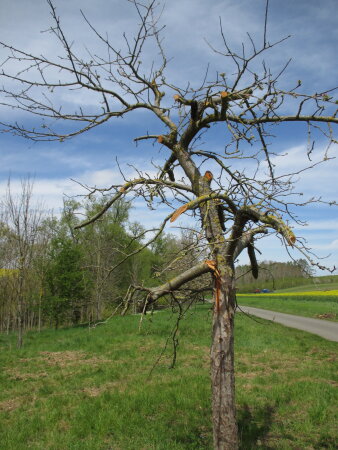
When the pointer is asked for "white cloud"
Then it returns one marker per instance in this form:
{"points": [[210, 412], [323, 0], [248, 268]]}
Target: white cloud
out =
{"points": [[313, 178], [333, 245], [101, 179], [320, 225], [48, 193]]}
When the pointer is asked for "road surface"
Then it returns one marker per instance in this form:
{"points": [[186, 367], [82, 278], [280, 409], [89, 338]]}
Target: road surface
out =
{"points": [[324, 328]]}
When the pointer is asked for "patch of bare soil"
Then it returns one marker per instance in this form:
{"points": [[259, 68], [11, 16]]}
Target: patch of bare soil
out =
{"points": [[332, 357], [10, 404], [312, 380], [68, 358], [278, 364], [53, 359], [196, 353], [93, 391], [96, 391], [268, 361], [326, 316], [22, 376], [63, 426], [327, 356]]}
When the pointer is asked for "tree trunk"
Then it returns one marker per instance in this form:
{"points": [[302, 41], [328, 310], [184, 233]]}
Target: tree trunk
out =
{"points": [[20, 331], [20, 317], [8, 325], [39, 315], [222, 364]]}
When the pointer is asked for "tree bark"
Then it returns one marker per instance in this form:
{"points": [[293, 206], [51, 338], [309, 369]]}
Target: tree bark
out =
{"points": [[20, 330], [20, 311], [39, 313], [222, 363]]}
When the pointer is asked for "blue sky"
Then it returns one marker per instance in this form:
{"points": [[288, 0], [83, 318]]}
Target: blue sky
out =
{"points": [[91, 158]]}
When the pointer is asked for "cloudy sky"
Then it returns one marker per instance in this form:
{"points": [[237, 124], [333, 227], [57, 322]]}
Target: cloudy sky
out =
{"points": [[91, 158]]}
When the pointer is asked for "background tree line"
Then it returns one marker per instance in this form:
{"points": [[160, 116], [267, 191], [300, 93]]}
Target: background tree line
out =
{"points": [[51, 275], [274, 275]]}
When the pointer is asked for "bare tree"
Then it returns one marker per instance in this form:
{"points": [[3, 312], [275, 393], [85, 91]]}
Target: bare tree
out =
{"points": [[234, 207], [23, 220]]}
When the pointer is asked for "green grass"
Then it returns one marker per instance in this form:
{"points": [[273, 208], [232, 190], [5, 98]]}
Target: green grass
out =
{"points": [[316, 307], [311, 287], [92, 389], [289, 284]]}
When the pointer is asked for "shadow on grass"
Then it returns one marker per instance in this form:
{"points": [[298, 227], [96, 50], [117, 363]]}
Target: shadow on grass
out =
{"points": [[253, 426], [329, 442]]}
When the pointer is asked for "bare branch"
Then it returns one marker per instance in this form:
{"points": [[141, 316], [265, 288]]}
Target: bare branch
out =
{"points": [[124, 189]]}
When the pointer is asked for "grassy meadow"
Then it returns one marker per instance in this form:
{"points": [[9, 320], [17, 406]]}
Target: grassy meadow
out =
{"points": [[323, 288], [307, 304], [288, 283], [82, 388]]}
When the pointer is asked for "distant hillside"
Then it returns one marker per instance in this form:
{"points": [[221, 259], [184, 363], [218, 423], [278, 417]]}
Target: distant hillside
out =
{"points": [[315, 284], [288, 276]]}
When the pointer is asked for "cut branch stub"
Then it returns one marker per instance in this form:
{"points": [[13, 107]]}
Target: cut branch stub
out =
{"points": [[208, 176], [212, 265], [274, 222], [179, 211], [291, 238], [282, 228]]}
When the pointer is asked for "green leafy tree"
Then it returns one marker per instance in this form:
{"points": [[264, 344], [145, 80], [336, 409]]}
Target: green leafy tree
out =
{"points": [[66, 282], [18, 239]]}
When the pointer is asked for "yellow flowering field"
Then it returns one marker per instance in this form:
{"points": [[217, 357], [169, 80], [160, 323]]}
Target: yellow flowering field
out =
{"points": [[6, 272]]}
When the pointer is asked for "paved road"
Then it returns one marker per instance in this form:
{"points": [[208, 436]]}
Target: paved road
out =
{"points": [[324, 328]]}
